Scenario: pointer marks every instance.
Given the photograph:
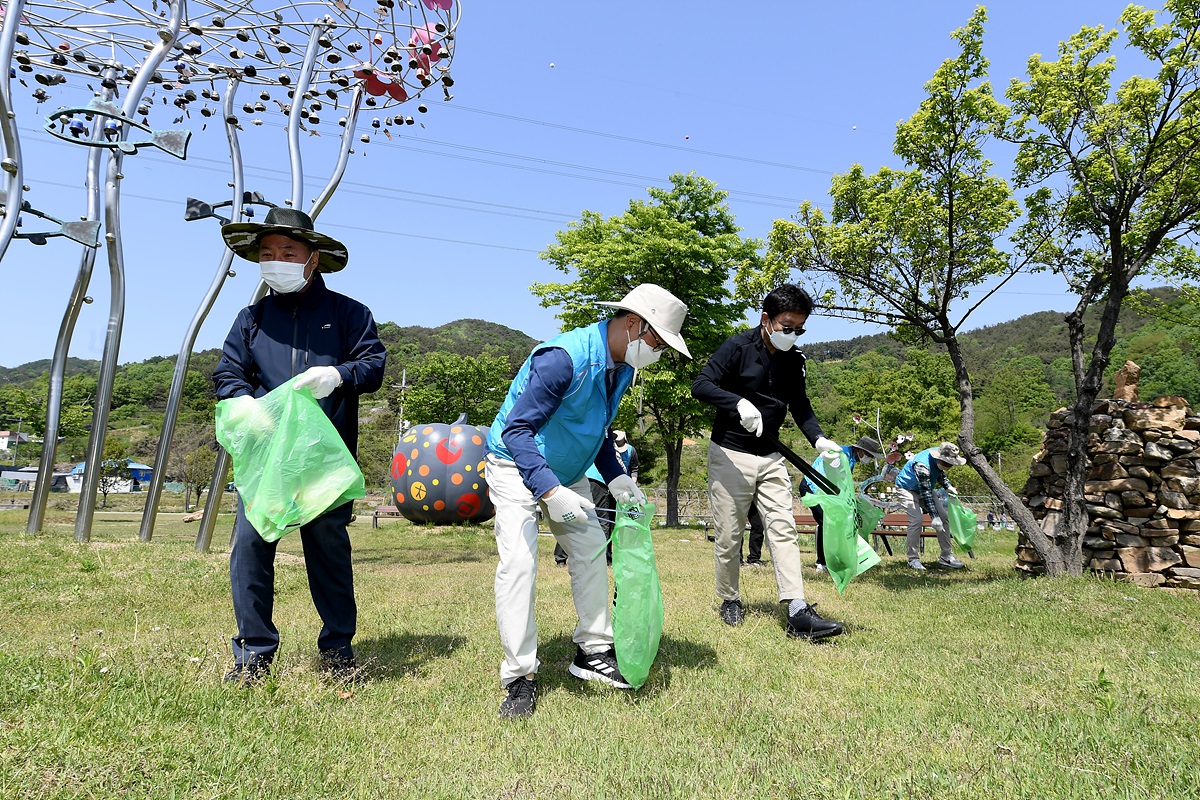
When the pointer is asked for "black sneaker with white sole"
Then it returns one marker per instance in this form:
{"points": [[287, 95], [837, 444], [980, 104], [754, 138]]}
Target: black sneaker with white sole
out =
{"points": [[598, 667], [521, 700]]}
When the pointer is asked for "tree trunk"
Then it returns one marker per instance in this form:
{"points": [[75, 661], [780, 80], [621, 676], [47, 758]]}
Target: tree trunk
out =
{"points": [[674, 462], [1017, 511], [1088, 383]]}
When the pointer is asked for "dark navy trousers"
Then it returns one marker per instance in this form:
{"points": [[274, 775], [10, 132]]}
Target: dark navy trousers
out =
{"points": [[330, 579]]}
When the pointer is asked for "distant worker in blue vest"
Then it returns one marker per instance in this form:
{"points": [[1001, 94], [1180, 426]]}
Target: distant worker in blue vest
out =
{"points": [[553, 425], [754, 379], [915, 486], [602, 497], [862, 450]]}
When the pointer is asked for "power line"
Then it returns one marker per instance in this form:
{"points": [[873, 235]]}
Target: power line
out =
{"points": [[646, 142], [324, 224]]}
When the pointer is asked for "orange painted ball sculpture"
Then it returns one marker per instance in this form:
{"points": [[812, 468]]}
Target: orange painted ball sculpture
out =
{"points": [[437, 473]]}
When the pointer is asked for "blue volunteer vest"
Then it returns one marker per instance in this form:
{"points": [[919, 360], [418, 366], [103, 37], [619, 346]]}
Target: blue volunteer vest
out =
{"points": [[907, 479], [819, 463], [572, 437]]}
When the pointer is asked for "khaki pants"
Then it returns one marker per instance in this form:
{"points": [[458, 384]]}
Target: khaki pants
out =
{"points": [[734, 480], [912, 506]]}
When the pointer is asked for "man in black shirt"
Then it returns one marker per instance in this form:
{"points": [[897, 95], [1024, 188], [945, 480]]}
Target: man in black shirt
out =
{"points": [[754, 379]]}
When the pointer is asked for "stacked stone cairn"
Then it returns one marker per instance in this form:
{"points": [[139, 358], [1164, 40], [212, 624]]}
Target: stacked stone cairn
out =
{"points": [[1142, 491]]}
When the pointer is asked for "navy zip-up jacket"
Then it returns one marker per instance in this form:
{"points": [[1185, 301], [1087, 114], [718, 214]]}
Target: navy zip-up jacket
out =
{"points": [[282, 335]]}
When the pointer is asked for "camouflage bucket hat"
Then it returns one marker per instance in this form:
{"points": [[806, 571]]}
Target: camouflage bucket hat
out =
{"points": [[243, 237]]}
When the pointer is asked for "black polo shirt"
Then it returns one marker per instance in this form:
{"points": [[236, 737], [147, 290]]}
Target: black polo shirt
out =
{"points": [[742, 367]]}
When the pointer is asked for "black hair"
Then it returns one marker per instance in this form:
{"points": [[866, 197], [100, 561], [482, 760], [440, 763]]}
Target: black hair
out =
{"points": [[788, 297], [622, 313]]}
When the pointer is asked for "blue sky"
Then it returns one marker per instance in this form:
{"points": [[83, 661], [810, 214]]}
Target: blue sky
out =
{"points": [[559, 107]]}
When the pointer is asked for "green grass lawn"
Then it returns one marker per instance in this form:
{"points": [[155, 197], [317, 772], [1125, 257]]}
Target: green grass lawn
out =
{"points": [[969, 684]]}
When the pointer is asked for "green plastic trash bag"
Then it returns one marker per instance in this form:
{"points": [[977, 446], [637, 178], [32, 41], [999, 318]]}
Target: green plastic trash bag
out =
{"points": [[638, 612], [962, 523], [847, 521], [290, 464]]}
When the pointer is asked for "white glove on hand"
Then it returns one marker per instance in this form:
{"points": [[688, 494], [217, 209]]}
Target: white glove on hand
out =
{"points": [[321, 381], [950, 490], [625, 490], [751, 416], [824, 445], [564, 505], [247, 410], [937, 524]]}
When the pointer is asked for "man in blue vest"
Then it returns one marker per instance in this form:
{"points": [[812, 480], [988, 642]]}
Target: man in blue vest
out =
{"points": [[914, 485], [552, 426]]}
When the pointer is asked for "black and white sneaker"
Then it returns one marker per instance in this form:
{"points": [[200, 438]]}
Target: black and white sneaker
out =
{"points": [[598, 667], [521, 700], [732, 612]]}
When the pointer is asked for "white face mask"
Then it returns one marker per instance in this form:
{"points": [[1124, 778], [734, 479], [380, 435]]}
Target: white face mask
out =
{"points": [[638, 354], [283, 276], [781, 340]]}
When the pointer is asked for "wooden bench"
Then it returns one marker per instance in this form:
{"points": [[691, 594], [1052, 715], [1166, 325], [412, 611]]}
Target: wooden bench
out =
{"points": [[385, 512], [894, 524]]}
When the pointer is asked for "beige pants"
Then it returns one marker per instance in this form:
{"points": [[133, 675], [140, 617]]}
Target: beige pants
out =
{"points": [[916, 523], [734, 480]]}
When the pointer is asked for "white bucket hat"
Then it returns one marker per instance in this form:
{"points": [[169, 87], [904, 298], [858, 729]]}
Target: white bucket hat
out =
{"points": [[662, 311]]}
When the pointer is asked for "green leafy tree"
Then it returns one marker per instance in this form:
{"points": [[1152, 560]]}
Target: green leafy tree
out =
{"points": [[377, 440], [685, 240], [910, 248], [114, 467], [444, 385], [1012, 398], [1115, 173], [198, 467]]}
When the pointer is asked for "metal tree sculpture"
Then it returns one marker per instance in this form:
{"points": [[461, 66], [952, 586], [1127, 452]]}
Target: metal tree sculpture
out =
{"points": [[316, 53]]}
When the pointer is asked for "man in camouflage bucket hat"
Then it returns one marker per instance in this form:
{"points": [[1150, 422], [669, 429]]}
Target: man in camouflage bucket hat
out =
{"points": [[299, 328], [914, 486]]}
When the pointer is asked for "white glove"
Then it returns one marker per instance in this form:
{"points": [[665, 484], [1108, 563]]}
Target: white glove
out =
{"points": [[951, 490], [625, 490], [824, 445], [937, 524], [751, 416], [564, 505], [321, 381], [247, 410]]}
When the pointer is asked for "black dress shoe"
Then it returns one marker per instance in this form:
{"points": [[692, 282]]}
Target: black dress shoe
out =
{"points": [[339, 666], [808, 624], [247, 673]]}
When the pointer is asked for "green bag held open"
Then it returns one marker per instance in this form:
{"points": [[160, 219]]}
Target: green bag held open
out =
{"points": [[638, 613], [290, 464], [962, 523], [847, 521]]}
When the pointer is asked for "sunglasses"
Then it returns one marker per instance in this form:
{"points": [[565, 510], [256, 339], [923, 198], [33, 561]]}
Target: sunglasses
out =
{"points": [[789, 331]]}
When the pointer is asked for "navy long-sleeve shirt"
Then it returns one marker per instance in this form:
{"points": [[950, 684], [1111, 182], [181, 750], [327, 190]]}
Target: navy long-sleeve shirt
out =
{"points": [[282, 335], [742, 367], [550, 375]]}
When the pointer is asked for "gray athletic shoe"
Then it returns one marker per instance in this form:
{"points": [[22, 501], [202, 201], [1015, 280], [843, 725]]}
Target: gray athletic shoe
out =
{"points": [[915, 563], [950, 562]]}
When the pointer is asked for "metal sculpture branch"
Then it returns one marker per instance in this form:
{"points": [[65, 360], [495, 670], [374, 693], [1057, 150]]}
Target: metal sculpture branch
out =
{"points": [[311, 62]]}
